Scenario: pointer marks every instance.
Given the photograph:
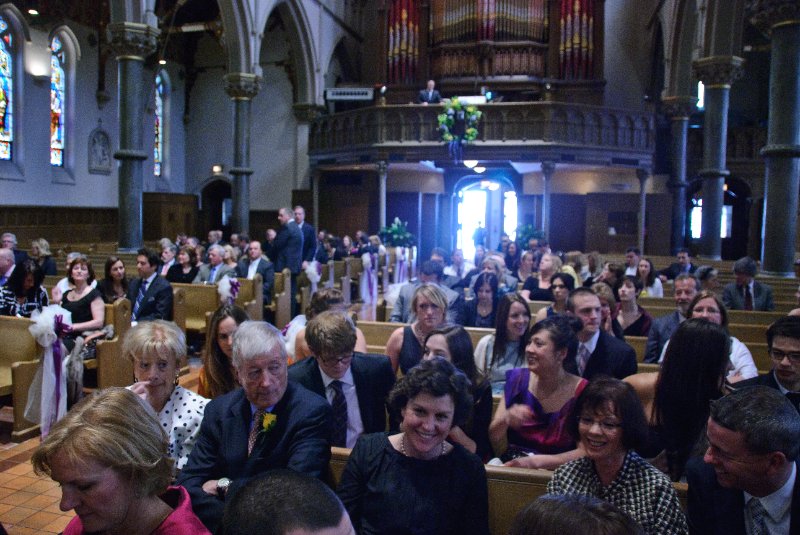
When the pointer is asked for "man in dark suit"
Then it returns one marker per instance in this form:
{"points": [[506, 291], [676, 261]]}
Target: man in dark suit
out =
{"points": [[309, 236], [336, 372], [746, 293], [150, 294], [783, 341], [683, 266], [599, 353], [748, 482], [286, 250], [430, 273], [685, 288], [10, 242], [255, 262], [268, 423], [429, 95]]}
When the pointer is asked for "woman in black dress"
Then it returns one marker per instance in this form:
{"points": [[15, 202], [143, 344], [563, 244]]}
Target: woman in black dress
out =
{"points": [[84, 302], [115, 284], [185, 269], [482, 310], [416, 481]]}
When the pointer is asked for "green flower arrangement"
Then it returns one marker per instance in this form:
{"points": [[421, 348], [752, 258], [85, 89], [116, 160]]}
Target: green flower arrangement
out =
{"points": [[458, 122], [397, 234]]}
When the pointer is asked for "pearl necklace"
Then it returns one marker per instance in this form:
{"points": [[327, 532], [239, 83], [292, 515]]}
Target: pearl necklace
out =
{"points": [[403, 447]]}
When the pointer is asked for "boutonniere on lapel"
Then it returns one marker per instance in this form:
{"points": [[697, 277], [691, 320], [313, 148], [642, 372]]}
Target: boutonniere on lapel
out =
{"points": [[268, 422]]}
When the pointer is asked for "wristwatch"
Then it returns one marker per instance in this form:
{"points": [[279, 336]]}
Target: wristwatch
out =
{"points": [[222, 485]]}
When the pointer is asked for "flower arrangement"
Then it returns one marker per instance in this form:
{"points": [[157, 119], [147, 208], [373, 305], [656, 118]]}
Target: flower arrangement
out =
{"points": [[397, 234], [268, 422], [459, 123]]}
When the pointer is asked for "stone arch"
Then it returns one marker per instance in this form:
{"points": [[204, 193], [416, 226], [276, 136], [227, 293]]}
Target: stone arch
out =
{"points": [[681, 80], [307, 88]]}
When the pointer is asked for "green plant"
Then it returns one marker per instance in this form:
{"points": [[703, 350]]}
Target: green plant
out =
{"points": [[397, 234], [525, 233], [454, 113]]}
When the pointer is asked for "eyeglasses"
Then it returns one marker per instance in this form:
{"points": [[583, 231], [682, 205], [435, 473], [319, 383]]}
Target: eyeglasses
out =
{"points": [[779, 355], [336, 360], [605, 426]]}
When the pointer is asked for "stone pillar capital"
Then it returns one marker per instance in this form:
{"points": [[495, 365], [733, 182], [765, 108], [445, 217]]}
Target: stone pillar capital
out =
{"points": [[642, 174], [766, 14], [132, 39], [718, 71], [383, 168], [548, 168], [679, 107], [305, 112], [242, 85]]}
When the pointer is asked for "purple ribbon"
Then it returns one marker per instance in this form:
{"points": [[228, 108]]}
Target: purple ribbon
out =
{"points": [[235, 284], [61, 329]]}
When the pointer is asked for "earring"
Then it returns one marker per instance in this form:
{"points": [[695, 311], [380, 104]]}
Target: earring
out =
{"points": [[177, 376]]}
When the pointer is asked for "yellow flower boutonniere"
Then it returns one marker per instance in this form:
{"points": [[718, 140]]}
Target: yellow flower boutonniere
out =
{"points": [[268, 422]]}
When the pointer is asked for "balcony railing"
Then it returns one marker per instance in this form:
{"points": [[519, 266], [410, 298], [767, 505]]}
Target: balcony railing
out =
{"points": [[576, 126]]}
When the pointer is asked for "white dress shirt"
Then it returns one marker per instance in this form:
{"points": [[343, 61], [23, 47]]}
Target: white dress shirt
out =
{"points": [[355, 427]]}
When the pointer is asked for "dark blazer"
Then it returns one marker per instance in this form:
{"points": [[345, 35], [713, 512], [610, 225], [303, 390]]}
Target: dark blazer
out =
{"points": [[287, 248], [660, 331], [19, 256], [299, 441], [265, 269], [309, 242], [435, 97], [674, 270], [157, 302], [373, 377], [734, 299], [714, 510], [768, 379], [48, 265], [402, 313], [611, 357]]}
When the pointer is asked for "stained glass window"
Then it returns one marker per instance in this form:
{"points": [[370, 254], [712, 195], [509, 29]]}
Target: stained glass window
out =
{"points": [[6, 90], [57, 102], [158, 146]]}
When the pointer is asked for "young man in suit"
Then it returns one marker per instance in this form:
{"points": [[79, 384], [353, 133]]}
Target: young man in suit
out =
{"points": [[783, 341], [747, 481], [746, 293], [150, 294], [269, 423], [356, 385], [286, 250], [256, 262], [685, 288], [683, 266], [309, 236], [599, 353]]}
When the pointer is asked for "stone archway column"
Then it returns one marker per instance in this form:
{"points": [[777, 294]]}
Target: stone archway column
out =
{"points": [[548, 168], [643, 175], [383, 173], [131, 42], [678, 109], [717, 74], [781, 19], [241, 87]]}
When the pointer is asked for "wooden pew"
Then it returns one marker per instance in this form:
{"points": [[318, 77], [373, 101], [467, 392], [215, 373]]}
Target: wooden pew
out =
{"points": [[377, 333], [202, 298], [112, 368], [281, 305], [510, 489]]}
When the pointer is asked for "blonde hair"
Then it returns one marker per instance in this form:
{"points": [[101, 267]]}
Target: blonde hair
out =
{"points": [[433, 294], [114, 428], [155, 338], [43, 246]]}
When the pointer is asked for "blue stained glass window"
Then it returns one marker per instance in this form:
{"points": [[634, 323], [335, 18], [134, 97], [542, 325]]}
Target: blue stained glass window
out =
{"points": [[57, 102], [158, 146], [6, 90]]}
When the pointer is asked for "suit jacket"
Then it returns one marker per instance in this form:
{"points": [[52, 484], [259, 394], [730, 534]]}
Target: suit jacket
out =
{"points": [[611, 357], [204, 273], [660, 331], [402, 313], [435, 97], [157, 302], [768, 379], [309, 242], [373, 377], [299, 441], [674, 270], [265, 269], [714, 510], [762, 297], [287, 248]]}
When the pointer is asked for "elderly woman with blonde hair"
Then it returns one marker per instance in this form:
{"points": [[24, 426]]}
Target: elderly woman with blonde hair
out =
{"points": [[109, 457], [156, 349]]}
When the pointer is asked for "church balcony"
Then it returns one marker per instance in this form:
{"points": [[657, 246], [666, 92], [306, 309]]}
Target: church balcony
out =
{"points": [[521, 131]]}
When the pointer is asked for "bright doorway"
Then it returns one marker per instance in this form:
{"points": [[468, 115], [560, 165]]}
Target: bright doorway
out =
{"points": [[491, 203]]}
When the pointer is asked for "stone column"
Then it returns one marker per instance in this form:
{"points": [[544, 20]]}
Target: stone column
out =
{"points": [[717, 74], [548, 168], [781, 19], [643, 175], [678, 109], [305, 114], [383, 173], [131, 42], [315, 176], [241, 87]]}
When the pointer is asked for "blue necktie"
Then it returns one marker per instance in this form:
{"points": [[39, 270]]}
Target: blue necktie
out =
{"points": [[212, 274], [339, 406], [139, 299]]}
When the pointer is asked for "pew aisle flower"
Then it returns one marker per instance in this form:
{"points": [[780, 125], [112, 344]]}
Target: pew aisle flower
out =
{"points": [[228, 289], [47, 396], [313, 272]]}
